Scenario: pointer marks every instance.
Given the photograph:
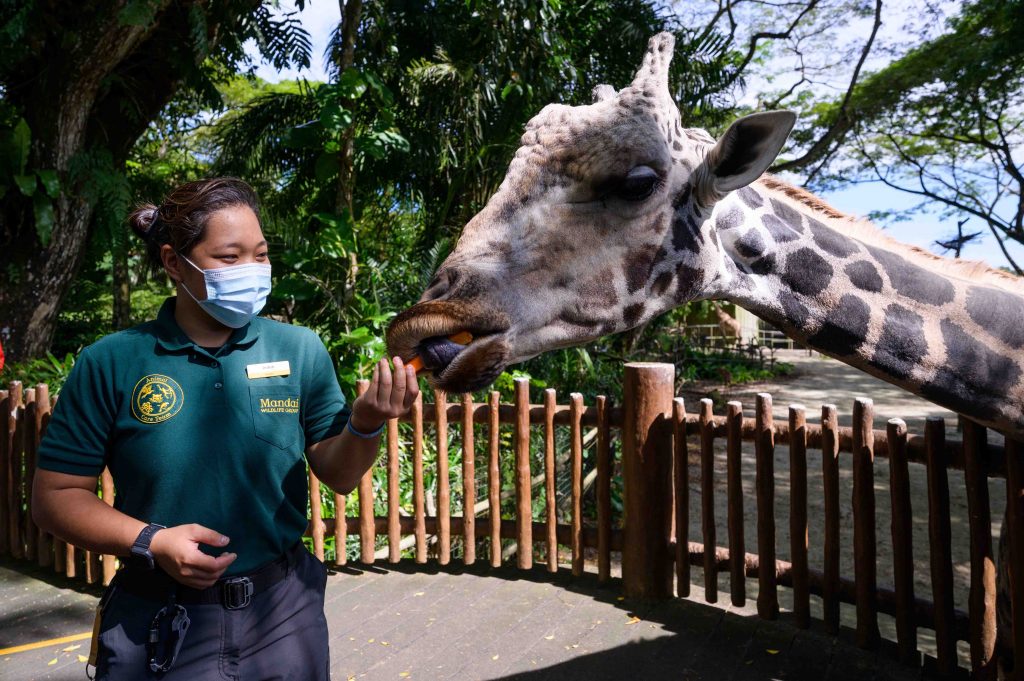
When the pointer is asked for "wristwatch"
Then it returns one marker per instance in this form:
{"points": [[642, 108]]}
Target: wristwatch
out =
{"points": [[141, 556]]}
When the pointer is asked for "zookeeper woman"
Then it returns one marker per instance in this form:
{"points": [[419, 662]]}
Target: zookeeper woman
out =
{"points": [[203, 416]]}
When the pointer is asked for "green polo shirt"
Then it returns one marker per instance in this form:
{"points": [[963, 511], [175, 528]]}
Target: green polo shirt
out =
{"points": [[190, 437]]}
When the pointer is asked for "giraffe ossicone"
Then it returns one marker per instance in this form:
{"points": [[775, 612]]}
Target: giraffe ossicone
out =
{"points": [[613, 213]]}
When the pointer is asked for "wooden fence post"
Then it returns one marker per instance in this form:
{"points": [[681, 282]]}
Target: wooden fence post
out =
{"points": [[734, 485], [524, 497], [6, 407], [681, 474], [394, 501], [764, 448], [604, 490], [864, 553], [367, 529], [830, 483], [939, 544], [798, 515], [109, 562], [1015, 535], [468, 482], [902, 549], [982, 620], [14, 432], [707, 499], [30, 424], [646, 470], [444, 497], [44, 541]]}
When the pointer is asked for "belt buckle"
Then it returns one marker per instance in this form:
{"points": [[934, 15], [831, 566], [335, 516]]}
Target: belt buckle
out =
{"points": [[237, 593]]}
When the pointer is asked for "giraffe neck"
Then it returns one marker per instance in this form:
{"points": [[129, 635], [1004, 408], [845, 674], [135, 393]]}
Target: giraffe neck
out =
{"points": [[876, 305]]}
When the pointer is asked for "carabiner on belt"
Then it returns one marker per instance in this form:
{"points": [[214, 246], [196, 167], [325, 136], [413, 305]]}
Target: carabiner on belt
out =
{"points": [[166, 634]]}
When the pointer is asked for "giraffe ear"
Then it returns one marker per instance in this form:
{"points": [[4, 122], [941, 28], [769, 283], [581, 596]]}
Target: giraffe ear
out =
{"points": [[653, 72], [748, 148]]}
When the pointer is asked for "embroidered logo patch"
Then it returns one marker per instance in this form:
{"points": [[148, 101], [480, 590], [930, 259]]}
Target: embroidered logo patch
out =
{"points": [[156, 398], [278, 405]]}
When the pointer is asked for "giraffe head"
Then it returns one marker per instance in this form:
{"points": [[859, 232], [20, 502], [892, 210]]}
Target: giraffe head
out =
{"points": [[602, 222]]}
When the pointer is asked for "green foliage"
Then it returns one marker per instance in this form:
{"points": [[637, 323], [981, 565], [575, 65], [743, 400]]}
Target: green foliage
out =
{"points": [[942, 122], [42, 186], [50, 370]]}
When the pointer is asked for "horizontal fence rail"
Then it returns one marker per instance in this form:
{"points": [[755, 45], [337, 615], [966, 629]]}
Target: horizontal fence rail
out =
{"points": [[650, 445]]}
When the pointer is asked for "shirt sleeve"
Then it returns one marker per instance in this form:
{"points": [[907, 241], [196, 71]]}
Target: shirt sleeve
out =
{"points": [[76, 438], [325, 412]]}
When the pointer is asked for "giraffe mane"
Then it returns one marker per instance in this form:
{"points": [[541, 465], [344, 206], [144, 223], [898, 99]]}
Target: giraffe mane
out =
{"points": [[974, 271]]}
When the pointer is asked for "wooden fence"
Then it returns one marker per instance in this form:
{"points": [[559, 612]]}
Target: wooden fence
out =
{"points": [[655, 529]]}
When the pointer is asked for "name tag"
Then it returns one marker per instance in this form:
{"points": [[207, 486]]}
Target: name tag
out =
{"points": [[268, 369]]}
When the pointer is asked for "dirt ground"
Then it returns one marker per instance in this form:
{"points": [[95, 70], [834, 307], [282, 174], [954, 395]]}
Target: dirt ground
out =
{"points": [[821, 380]]}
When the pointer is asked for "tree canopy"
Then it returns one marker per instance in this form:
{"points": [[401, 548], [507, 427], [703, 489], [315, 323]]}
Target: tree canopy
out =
{"points": [[366, 179]]}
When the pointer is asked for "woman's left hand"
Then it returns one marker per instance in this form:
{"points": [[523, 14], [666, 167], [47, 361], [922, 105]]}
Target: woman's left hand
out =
{"points": [[389, 396]]}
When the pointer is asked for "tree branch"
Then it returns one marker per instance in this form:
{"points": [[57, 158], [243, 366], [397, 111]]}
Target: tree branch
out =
{"points": [[843, 121]]}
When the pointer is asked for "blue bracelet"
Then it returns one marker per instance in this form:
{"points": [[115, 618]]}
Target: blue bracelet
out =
{"points": [[365, 436]]}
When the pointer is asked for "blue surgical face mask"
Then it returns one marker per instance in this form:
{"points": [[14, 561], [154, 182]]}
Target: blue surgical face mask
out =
{"points": [[234, 294]]}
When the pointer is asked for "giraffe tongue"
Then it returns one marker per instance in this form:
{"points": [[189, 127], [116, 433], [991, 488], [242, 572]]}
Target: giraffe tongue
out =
{"points": [[438, 352]]}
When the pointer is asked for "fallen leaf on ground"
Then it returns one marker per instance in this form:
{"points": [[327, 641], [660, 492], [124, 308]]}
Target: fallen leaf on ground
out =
{"points": [[51, 662], [633, 620], [83, 658], [70, 648], [384, 643], [548, 638], [371, 640], [495, 657], [771, 652], [404, 674], [419, 593]]}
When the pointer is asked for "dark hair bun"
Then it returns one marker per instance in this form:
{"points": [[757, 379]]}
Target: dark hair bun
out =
{"points": [[180, 221], [142, 219]]}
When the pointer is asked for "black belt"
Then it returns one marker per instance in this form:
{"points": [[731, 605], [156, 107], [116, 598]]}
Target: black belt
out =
{"points": [[231, 592]]}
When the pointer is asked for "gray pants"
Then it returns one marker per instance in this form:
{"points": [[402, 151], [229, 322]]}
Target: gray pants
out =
{"points": [[282, 634]]}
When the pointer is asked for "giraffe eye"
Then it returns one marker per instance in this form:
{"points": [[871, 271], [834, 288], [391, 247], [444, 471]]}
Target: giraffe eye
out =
{"points": [[639, 183]]}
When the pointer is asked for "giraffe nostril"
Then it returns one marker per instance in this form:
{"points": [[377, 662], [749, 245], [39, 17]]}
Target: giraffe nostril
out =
{"points": [[441, 285]]}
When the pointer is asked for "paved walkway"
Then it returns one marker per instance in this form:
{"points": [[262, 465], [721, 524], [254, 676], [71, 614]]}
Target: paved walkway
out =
{"points": [[818, 379], [420, 622]]}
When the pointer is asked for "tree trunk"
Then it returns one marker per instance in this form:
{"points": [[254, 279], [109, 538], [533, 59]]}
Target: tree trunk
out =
{"points": [[350, 12], [122, 312], [99, 80], [31, 306]]}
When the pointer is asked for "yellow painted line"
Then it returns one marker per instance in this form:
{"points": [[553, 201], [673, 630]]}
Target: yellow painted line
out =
{"points": [[44, 644]]}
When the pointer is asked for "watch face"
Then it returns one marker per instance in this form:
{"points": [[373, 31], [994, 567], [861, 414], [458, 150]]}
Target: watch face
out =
{"points": [[141, 558]]}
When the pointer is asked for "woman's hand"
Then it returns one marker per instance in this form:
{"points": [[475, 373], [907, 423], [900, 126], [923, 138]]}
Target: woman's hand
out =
{"points": [[389, 396], [176, 550]]}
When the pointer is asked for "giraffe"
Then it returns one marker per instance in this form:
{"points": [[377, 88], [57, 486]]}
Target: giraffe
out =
{"points": [[613, 213], [728, 324]]}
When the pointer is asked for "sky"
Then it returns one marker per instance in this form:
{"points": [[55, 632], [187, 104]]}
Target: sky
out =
{"points": [[320, 17]]}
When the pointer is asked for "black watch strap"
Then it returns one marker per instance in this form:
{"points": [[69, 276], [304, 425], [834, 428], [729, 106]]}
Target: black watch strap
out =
{"points": [[140, 552]]}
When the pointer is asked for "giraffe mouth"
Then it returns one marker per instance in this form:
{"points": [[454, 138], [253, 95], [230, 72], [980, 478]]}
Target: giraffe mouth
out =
{"points": [[423, 331]]}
